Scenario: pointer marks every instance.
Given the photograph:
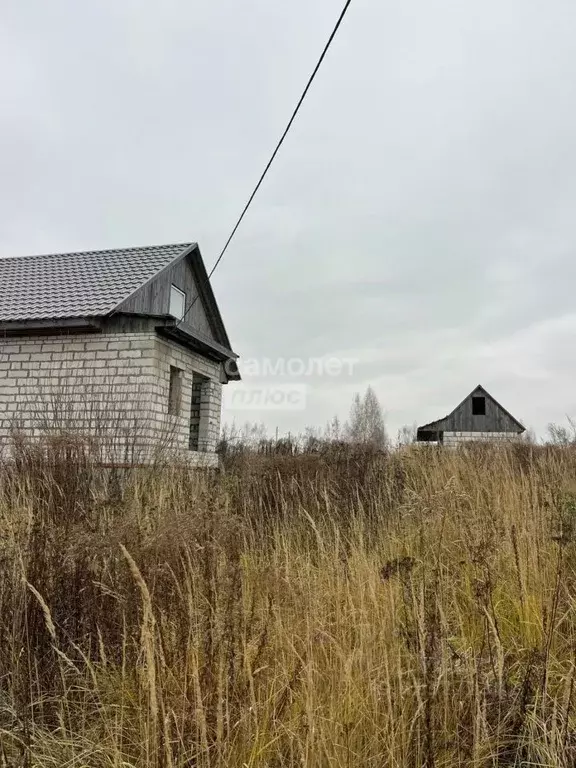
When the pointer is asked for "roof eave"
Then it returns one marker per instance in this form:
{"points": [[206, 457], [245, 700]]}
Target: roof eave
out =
{"points": [[50, 325], [434, 425], [197, 341]]}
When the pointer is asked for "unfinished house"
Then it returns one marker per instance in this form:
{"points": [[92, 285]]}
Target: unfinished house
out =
{"points": [[478, 417], [123, 349]]}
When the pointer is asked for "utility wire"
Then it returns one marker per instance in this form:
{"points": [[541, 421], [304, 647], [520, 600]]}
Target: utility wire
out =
{"points": [[286, 130]]}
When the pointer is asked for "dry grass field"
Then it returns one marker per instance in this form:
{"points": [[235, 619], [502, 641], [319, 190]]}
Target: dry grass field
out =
{"points": [[334, 610]]}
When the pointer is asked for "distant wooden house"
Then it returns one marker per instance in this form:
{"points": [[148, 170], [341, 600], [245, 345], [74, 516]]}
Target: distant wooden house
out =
{"points": [[478, 417]]}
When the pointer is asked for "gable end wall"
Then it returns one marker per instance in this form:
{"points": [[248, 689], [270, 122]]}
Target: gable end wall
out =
{"points": [[154, 298], [463, 420]]}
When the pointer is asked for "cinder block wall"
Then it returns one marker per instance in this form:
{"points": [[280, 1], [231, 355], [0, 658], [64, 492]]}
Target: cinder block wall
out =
{"points": [[457, 438], [111, 388], [166, 354]]}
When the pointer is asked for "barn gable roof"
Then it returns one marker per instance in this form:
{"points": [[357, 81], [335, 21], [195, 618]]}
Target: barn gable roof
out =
{"points": [[440, 424], [86, 284]]}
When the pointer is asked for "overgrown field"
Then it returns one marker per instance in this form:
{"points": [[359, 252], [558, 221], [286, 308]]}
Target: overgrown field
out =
{"points": [[336, 610]]}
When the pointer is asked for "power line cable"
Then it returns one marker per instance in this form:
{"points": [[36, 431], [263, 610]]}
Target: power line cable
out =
{"points": [[273, 157]]}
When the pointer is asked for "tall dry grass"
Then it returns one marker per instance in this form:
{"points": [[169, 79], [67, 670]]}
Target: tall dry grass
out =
{"points": [[342, 610]]}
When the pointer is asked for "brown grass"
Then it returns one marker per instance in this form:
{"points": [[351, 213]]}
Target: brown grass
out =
{"points": [[416, 609]]}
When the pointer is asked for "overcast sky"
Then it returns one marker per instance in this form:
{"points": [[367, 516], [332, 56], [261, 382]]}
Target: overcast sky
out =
{"points": [[420, 219]]}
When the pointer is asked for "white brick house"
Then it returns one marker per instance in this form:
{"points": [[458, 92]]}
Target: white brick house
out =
{"points": [[124, 348]]}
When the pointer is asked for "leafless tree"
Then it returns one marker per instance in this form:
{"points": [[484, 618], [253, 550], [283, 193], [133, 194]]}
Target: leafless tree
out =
{"points": [[558, 434], [366, 423], [407, 434]]}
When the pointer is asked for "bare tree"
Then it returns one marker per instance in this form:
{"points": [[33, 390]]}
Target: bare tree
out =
{"points": [[561, 435], [247, 436], [407, 434], [529, 436], [366, 423], [333, 430]]}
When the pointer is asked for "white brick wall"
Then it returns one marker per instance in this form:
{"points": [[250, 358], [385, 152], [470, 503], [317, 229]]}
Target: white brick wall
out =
{"points": [[109, 388], [457, 438]]}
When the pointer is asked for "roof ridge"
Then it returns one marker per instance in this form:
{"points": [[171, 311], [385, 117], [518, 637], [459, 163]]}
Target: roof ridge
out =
{"points": [[131, 249]]}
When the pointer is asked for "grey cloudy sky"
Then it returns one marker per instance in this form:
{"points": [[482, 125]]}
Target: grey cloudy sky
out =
{"points": [[421, 215]]}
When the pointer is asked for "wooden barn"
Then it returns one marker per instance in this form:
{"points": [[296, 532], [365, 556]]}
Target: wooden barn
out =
{"points": [[478, 417]]}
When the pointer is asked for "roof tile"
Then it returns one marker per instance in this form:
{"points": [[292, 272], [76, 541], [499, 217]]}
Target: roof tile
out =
{"points": [[88, 284]]}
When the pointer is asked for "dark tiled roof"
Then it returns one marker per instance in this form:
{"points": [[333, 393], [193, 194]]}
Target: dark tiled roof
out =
{"points": [[88, 284]]}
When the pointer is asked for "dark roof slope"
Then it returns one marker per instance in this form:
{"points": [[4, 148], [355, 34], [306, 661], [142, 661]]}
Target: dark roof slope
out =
{"points": [[88, 284]]}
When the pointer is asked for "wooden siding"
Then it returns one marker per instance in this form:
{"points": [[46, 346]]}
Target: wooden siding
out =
{"points": [[154, 298], [462, 419]]}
